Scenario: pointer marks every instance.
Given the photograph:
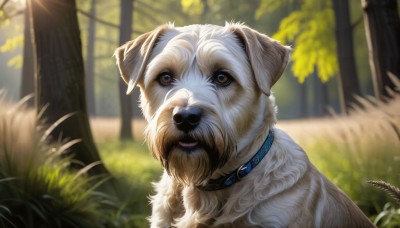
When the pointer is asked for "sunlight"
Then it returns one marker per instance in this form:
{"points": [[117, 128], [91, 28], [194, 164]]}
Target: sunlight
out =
{"points": [[19, 2], [10, 7]]}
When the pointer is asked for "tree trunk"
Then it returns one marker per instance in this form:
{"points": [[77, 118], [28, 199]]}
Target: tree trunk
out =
{"points": [[89, 63], [125, 101], [382, 29], [303, 99], [60, 88], [28, 67], [344, 39], [321, 101]]}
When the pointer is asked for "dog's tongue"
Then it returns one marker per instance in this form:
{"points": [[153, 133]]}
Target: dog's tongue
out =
{"points": [[188, 143]]}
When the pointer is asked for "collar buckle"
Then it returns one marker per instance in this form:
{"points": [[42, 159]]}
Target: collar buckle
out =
{"points": [[242, 171]]}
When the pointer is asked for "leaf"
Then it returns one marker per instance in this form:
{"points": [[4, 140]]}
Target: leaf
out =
{"points": [[7, 179], [311, 31], [268, 6], [15, 62], [192, 7], [290, 27], [12, 43]]}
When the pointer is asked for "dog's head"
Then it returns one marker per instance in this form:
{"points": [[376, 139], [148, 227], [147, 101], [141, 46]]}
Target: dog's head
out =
{"points": [[204, 92]]}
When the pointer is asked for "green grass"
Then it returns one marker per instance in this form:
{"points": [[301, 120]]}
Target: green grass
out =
{"points": [[48, 193], [134, 169]]}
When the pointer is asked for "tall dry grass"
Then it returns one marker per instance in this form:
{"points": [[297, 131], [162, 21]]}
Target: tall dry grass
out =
{"points": [[351, 150], [17, 135], [37, 188]]}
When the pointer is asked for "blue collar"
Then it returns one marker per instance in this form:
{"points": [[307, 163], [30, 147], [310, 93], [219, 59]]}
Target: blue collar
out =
{"points": [[243, 170]]}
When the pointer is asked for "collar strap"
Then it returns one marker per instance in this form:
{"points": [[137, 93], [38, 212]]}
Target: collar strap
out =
{"points": [[243, 170]]}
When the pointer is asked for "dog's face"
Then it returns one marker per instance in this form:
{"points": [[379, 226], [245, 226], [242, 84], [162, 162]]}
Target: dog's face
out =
{"points": [[202, 88]]}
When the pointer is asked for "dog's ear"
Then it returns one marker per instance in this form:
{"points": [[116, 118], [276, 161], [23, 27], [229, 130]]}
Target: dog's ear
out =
{"points": [[133, 56], [267, 56]]}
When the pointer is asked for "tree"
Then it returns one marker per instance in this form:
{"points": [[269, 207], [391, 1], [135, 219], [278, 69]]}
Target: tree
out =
{"points": [[347, 67], [28, 67], [125, 101], [311, 31], [310, 28], [302, 88], [90, 63], [60, 89], [382, 28], [321, 98]]}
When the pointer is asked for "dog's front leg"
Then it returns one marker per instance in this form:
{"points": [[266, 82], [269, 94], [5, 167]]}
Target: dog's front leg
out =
{"points": [[167, 203]]}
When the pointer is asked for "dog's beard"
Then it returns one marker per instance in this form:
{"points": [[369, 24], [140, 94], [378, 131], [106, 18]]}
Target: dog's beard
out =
{"points": [[194, 165]]}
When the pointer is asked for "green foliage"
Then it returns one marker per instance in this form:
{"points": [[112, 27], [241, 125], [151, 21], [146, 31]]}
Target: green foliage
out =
{"points": [[269, 6], [15, 62], [389, 217], [4, 20], [11, 45], [192, 7], [50, 196], [311, 31]]}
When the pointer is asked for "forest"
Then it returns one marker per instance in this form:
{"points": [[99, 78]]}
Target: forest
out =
{"points": [[72, 152]]}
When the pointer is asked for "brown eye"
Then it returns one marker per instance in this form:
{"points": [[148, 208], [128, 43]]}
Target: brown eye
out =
{"points": [[165, 79], [222, 79]]}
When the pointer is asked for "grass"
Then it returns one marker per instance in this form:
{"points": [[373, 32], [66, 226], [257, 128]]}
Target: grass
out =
{"points": [[37, 188], [351, 165], [134, 170], [354, 149]]}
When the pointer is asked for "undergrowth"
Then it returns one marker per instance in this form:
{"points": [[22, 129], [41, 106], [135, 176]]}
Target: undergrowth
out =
{"points": [[37, 187]]}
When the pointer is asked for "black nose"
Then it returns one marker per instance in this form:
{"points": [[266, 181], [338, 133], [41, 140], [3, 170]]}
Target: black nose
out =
{"points": [[187, 118]]}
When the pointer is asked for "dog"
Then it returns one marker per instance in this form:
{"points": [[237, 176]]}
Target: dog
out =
{"points": [[205, 91]]}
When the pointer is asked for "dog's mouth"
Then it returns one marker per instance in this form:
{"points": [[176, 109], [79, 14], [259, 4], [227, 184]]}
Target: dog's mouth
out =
{"points": [[188, 143]]}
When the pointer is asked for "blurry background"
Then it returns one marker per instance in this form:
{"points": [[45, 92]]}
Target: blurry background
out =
{"points": [[345, 115], [307, 93]]}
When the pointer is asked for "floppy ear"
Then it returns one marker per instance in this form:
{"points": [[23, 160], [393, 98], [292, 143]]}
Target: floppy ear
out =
{"points": [[133, 56], [267, 56]]}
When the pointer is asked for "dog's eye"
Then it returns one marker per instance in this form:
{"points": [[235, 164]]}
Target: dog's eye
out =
{"points": [[165, 79], [222, 79]]}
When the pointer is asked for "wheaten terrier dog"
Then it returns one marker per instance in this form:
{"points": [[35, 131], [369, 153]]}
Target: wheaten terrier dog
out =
{"points": [[205, 92]]}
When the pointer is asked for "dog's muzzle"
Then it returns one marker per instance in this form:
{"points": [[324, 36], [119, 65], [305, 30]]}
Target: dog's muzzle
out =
{"points": [[185, 120]]}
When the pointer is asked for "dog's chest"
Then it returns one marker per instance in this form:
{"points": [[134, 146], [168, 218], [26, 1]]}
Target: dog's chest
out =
{"points": [[208, 209]]}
